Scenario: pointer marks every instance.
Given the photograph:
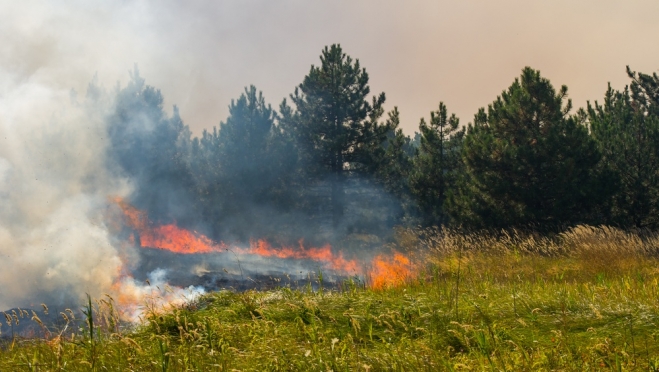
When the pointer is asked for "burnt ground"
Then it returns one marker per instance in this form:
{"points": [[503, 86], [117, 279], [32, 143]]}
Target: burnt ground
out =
{"points": [[226, 270]]}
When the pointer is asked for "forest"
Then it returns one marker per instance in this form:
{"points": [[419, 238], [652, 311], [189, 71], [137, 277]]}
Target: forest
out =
{"points": [[330, 161]]}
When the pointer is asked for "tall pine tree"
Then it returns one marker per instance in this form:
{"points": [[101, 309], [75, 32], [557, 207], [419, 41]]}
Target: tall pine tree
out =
{"points": [[241, 169], [436, 164], [627, 132], [335, 125], [645, 90], [527, 161], [393, 167]]}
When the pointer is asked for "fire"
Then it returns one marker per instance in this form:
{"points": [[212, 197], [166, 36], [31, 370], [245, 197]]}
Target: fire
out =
{"points": [[383, 272], [175, 239], [389, 271], [324, 254], [168, 237], [155, 296]]}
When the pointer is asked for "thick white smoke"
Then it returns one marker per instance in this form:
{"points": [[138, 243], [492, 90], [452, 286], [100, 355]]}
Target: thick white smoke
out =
{"points": [[54, 187]]}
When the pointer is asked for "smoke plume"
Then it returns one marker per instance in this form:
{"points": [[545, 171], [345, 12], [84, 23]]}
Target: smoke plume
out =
{"points": [[54, 184]]}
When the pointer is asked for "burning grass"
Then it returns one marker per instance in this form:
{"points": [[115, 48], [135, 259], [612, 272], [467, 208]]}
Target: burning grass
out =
{"points": [[584, 300], [380, 271]]}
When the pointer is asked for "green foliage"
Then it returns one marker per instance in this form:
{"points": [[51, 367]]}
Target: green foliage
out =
{"points": [[396, 157], [437, 164], [645, 90], [335, 126], [527, 161], [242, 166], [392, 163], [244, 138], [227, 182], [627, 132], [524, 161]]}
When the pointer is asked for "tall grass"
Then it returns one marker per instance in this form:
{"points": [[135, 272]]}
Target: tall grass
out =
{"points": [[586, 299]]}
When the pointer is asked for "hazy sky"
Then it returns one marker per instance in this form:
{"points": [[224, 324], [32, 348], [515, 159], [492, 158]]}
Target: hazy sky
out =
{"points": [[201, 54]]}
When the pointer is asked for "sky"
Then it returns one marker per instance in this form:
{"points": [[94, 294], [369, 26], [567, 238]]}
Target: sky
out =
{"points": [[201, 54]]}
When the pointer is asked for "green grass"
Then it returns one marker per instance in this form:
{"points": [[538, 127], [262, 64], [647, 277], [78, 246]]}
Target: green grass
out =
{"points": [[587, 300]]}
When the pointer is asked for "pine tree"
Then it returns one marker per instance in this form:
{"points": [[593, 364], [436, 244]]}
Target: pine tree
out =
{"points": [[243, 145], [395, 158], [627, 133], [645, 90], [393, 163], [241, 168], [436, 164], [151, 149], [527, 161], [335, 125]]}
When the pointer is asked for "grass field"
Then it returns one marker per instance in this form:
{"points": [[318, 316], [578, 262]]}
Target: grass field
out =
{"points": [[587, 299]]}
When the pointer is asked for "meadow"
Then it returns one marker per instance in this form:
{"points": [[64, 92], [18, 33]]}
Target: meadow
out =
{"points": [[583, 300]]}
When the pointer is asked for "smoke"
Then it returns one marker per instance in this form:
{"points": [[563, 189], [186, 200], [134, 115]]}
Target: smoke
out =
{"points": [[58, 174], [54, 184], [157, 295]]}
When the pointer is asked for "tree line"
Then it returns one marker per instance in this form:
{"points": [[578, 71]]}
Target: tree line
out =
{"points": [[331, 159]]}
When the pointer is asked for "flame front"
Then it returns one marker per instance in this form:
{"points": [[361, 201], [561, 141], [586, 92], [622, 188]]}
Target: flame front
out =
{"points": [[382, 272], [168, 237], [324, 254], [389, 271], [175, 239]]}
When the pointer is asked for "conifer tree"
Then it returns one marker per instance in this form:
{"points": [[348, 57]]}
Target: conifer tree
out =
{"points": [[627, 132], [436, 164], [335, 125], [151, 149], [527, 162], [645, 90], [395, 163], [244, 144], [240, 168], [394, 167]]}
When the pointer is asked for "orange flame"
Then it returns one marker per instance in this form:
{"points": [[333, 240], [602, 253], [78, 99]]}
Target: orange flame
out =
{"points": [[324, 254], [134, 217], [168, 237], [173, 238], [389, 272], [383, 272]]}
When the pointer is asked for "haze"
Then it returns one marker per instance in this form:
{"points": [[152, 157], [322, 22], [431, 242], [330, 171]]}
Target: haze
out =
{"points": [[202, 54]]}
